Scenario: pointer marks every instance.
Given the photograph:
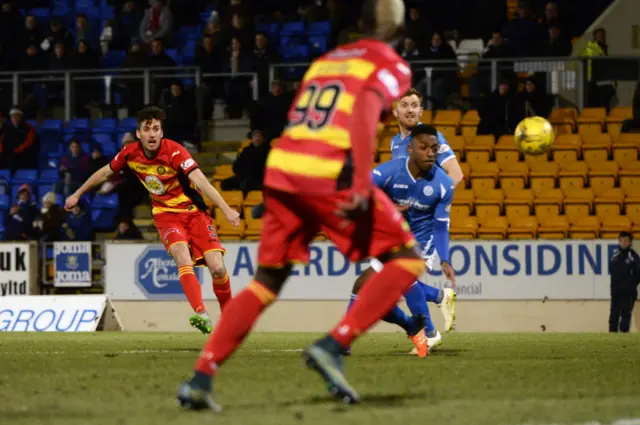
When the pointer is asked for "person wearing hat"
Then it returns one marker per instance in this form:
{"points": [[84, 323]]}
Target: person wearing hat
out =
{"points": [[19, 224], [18, 142]]}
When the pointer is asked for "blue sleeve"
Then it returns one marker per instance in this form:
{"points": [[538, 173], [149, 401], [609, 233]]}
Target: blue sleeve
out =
{"points": [[444, 152], [381, 175], [442, 221]]}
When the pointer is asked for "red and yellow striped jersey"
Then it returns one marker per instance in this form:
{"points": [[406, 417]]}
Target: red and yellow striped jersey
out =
{"points": [[165, 176], [313, 154]]}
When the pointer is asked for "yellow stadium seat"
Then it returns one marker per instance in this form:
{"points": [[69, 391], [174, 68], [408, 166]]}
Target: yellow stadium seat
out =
{"points": [[633, 212], [426, 117], [609, 201], [254, 226], [513, 176], [629, 175], [553, 227], [578, 202], [493, 228], [536, 159], [548, 202], [234, 198], [518, 203], [573, 174], [592, 120], [463, 198], [563, 116], [447, 118], [543, 175], [586, 227], [566, 147], [615, 119], [484, 175], [562, 129], [385, 156], [469, 131], [459, 211], [446, 131], [479, 149], [488, 203], [603, 174], [223, 172], [464, 229], [457, 144], [225, 230], [466, 172], [611, 226], [522, 227], [505, 150], [253, 198], [625, 147], [471, 117], [596, 147]]}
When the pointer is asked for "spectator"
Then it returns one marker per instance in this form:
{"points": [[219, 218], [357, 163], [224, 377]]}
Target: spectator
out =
{"points": [[86, 92], [19, 224], [417, 29], [97, 160], [18, 142], [86, 32], [157, 23], [181, 110], [57, 34], [133, 90], [212, 30], [624, 267], [209, 57], [557, 44], [159, 57], [552, 16], [633, 125], [443, 81], [74, 169], [480, 82], [523, 34], [599, 93], [107, 38], [31, 33], [496, 115], [410, 50], [127, 231], [128, 24], [249, 166], [48, 223], [239, 30], [263, 56], [31, 59], [78, 225], [271, 112], [531, 102], [60, 60], [237, 87]]}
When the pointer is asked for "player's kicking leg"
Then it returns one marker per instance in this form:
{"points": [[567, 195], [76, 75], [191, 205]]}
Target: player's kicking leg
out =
{"points": [[191, 287]]}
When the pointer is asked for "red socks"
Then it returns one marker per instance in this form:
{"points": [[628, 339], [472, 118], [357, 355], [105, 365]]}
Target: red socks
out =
{"points": [[191, 288], [222, 289], [238, 318], [381, 292]]}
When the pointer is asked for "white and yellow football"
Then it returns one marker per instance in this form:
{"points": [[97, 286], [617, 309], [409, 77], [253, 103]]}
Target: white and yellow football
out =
{"points": [[534, 136]]}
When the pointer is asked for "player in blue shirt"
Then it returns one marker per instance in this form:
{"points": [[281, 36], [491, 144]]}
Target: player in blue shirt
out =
{"points": [[423, 192]]}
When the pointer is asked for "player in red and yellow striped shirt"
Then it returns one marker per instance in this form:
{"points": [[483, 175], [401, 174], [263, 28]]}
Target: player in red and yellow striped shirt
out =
{"points": [[318, 179], [174, 182]]}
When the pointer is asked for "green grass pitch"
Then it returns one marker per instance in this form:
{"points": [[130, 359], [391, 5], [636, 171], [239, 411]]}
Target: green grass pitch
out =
{"points": [[474, 379]]}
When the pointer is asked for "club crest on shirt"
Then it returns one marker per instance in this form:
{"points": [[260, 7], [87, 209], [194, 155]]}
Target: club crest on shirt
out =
{"points": [[428, 191], [161, 170], [154, 185]]}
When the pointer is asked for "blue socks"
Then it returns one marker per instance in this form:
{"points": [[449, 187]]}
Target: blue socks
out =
{"points": [[432, 294], [417, 303], [395, 316]]}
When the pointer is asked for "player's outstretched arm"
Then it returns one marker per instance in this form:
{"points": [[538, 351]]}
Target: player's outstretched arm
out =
{"points": [[441, 232], [200, 180], [96, 178]]}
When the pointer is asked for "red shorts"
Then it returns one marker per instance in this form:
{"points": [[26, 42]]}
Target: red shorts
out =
{"points": [[292, 220], [195, 229]]}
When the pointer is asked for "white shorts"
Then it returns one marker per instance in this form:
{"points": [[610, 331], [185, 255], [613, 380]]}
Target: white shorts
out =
{"points": [[377, 265]]}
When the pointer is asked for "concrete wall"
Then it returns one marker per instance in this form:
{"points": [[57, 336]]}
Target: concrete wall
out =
{"points": [[622, 23], [319, 316]]}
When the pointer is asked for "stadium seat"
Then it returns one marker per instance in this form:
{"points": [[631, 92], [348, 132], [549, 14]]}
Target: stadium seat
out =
{"points": [[484, 175], [522, 228], [553, 227], [548, 202], [578, 202], [561, 116], [457, 145], [612, 225], [49, 175], [463, 199], [77, 125], [103, 218], [226, 230], [591, 120], [566, 128], [253, 198], [505, 150], [626, 147], [629, 175], [596, 147], [110, 201], [113, 58], [426, 117], [573, 174], [543, 175], [466, 173], [5, 175], [385, 156], [585, 227], [43, 189], [5, 202], [567, 148], [513, 176], [609, 201], [603, 174], [492, 228], [254, 225], [23, 176], [127, 125], [464, 229], [447, 118], [469, 123], [489, 203], [104, 125], [518, 203], [447, 131], [223, 172], [51, 126], [234, 198], [615, 119], [479, 149]]}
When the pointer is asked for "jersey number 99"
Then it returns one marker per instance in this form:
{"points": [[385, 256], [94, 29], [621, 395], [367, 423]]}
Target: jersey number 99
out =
{"points": [[316, 105]]}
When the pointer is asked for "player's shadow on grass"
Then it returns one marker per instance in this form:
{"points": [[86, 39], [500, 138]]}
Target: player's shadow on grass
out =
{"points": [[444, 352], [372, 400]]}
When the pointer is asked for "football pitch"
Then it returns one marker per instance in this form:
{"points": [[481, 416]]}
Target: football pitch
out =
{"points": [[510, 379]]}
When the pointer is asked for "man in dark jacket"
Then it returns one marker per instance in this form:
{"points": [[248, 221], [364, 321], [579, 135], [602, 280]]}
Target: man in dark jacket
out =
{"points": [[18, 143], [249, 166], [624, 268]]}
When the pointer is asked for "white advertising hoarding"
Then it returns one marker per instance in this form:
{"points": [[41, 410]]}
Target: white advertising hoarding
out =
{"points": [[60, 313], [485, 270], [14, 269]]}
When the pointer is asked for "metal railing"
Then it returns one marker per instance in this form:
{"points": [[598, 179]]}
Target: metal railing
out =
{"points": [[565, 77], [146, 84]]}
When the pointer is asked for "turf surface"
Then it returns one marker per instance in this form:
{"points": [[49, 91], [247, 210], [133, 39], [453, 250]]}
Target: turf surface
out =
{"points": [[116, 378]]}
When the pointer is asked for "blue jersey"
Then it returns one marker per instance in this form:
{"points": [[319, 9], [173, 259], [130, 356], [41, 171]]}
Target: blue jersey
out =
{"points": [[429, 201], [400, 148]]}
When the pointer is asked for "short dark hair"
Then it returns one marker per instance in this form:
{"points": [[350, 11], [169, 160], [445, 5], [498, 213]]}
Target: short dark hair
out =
{"points": [[423, 129], [150, 113], [368, 16], [625, 235]]}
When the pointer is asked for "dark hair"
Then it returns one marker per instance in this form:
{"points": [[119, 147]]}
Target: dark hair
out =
{"points": [[368, 15], [423, 129], [150, 113], [625, 235]]}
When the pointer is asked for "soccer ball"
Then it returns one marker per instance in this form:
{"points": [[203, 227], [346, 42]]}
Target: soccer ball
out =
{"points": [[534, 136]]}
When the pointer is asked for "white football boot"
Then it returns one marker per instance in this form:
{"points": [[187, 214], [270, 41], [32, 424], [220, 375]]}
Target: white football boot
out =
{"points": [[431, 343], [448, 308]]}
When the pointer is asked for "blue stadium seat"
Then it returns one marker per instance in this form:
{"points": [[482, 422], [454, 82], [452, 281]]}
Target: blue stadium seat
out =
{"points": [[41, 14], [173, 54], [126, 125], [293, 29], [295, 53], [321, 28], [77, 125], [318, 45], [25, 176], [114, 58], [5, 202], [204, 17], [49, 175], [109, 149], [104, 125], [87, 147], [51, 145], [105, 201], [189, 33], [43, 189], [107, 12], [53, 126], [80, 137], [101, 138], [188, 53], [270, 29], [5, 175], [103, 218]]}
